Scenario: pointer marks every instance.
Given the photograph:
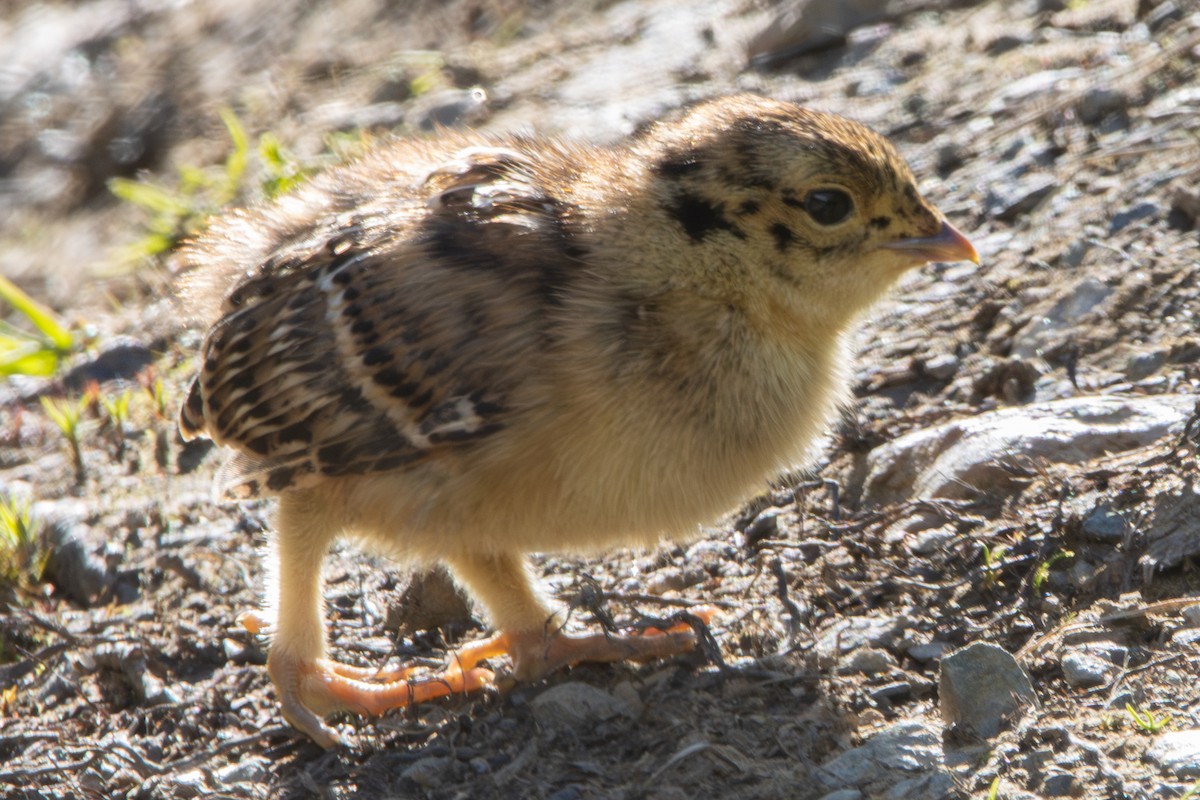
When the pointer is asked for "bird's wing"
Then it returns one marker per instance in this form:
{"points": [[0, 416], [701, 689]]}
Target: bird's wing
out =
{"points": [[389, 335]]}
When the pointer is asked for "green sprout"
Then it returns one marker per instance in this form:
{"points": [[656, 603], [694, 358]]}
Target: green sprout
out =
{"points": [[1146, 721], [68, 418], [158, 397], [284, 172], [23, 558], [31, 353], [994, 789], [161, 409], [182, 210], [429, 66], [117, 408], [992, 562], [116, 411], [177, 213], [1043, 571]]}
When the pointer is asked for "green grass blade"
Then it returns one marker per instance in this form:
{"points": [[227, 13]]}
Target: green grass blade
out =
{"points": [[235, 164], [38, 362], [42, 318], [150, 197]]}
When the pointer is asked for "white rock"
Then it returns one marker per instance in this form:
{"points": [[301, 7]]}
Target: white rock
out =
{"points": [[962, 458], [1177, 752], [249, 770], [1035, 85], [926, 543]]}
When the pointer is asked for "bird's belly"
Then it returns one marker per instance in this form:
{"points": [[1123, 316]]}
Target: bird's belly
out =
{"points": [[566, 485]]}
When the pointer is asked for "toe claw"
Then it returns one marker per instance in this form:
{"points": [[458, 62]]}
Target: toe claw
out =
{"points": [[310, 690], [302, 718]]}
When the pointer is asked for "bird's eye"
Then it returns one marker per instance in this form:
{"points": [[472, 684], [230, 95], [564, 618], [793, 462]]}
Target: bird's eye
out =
{"points": [[828, 206]]}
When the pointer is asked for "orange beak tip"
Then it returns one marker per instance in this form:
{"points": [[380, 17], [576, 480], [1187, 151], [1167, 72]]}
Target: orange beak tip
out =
{"points": [[948, 244]]}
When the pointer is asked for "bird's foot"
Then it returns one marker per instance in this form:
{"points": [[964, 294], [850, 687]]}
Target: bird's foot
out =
{"points": [[535, 653], [312, 689]]}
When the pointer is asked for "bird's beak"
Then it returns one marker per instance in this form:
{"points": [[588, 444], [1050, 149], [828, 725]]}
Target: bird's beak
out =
{"points": [[948, 244]]}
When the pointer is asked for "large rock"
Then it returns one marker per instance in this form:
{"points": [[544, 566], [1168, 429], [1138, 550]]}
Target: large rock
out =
{"points": [[1173, 531], [966, 457], [982, 687]]}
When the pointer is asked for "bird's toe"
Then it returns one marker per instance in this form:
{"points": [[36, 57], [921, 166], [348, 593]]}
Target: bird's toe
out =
{"points": [[535, 654], [311, 690]]}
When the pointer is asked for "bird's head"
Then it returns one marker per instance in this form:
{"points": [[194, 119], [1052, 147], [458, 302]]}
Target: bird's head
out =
{"points": [[798, 207]]}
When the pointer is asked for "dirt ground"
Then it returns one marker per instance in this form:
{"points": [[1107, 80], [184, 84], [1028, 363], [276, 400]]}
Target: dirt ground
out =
{"points": [[1062, 137]]}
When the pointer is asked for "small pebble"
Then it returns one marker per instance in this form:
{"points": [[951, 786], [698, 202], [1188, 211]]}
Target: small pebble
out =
{"points": [[1143, 365], [929, 651], [430, 772], [1084, 670], [926, 543], [764, 526], [1081, 574], [941, 367], [867, 661], [1098, 103], [1105, 525], [1009, 203], [1060, 784], [248, 770]]}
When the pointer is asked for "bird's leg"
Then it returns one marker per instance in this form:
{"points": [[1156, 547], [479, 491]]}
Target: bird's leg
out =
{"points": [[532, 635], [310, 686]]}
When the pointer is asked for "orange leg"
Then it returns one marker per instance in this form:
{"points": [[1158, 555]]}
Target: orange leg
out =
{"points": [[311, 686], [311, 690]]}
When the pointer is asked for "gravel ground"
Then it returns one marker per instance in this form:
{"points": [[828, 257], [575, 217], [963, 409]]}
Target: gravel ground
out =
{"points": [[980, 586]]}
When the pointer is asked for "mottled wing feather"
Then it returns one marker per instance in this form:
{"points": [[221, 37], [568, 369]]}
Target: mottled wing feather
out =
{"points": [[347, 358]]}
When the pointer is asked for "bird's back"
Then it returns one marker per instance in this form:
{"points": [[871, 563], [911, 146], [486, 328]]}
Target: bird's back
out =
{"points": [[380, 316]]}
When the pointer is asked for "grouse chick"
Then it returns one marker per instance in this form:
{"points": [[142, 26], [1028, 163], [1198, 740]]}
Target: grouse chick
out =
{"points": [[468, 348]]}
